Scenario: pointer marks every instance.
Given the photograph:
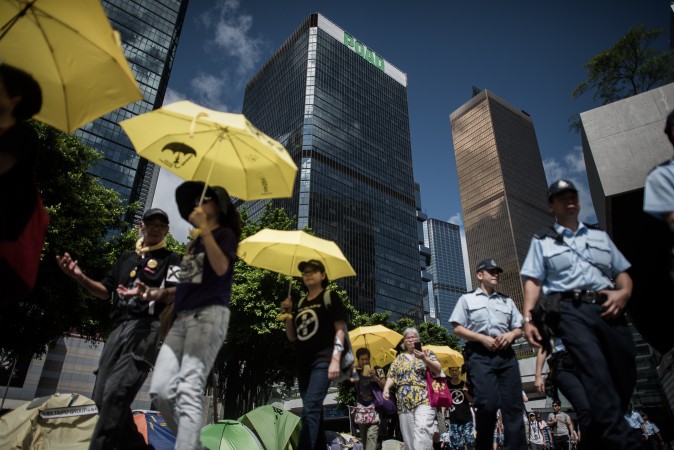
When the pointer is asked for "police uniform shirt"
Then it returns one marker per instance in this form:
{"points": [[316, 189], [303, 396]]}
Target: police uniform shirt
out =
{"points": [[651, 428], [492, 315], [562, 262], [659, 190]]}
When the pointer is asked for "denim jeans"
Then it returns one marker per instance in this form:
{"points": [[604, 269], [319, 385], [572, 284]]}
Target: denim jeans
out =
{"points": [[313, 383], [184, 362]]}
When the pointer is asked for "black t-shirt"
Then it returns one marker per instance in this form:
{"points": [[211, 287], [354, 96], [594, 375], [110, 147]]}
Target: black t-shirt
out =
{"points": [[18, 193], [315, 325], [460, 409], [152, 268]]}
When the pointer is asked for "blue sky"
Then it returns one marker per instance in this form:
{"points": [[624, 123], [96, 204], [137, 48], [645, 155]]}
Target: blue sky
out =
{"points": [[529, 53]]}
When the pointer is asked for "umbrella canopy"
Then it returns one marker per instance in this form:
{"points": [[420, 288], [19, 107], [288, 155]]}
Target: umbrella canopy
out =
{"points": [[447, 356], [379, 340], [277, 428], [229, 435], [154, 429], [56, 421], [73, 53], [220, 149], [281, 252]]}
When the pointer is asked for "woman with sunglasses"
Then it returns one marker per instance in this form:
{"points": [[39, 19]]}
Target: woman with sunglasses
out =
{"points": [[201, 310]]}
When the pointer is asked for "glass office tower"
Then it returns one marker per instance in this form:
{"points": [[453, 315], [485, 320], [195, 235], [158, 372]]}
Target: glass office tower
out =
{"points": [[341, 111], [446, 269], [149, 30], [502, 185]]}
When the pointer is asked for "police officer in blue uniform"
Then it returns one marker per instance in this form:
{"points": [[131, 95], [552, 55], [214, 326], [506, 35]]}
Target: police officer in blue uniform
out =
{"points": [[583, 278], [659, 187], [489, 322]]}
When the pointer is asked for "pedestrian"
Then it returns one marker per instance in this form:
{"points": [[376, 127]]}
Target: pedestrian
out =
{"points": [[655, 440], [659, 186], [563, 431], [408, 374], [201, 310], [318, 327], [23, 219], [368, 380], [460, 416], [547, 433], [489, 322], [583, 277], [564, 376], [637, 426], [131, 348], [535, 433]]}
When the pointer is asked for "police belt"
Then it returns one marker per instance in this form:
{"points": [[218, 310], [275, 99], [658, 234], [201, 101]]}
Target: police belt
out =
{"points": [[583, 295]]}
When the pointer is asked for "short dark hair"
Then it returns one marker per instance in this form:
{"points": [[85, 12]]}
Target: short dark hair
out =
{"points": [[557, 402], [21, 84], [362, 351]]}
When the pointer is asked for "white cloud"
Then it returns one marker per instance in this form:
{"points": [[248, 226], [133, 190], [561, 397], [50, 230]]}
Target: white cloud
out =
{"points": [[164, 198], [457, 219], [173, 96], [572, 167], [209, 90]]}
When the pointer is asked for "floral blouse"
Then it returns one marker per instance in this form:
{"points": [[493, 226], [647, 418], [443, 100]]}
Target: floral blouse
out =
{"points": [[410, 379]]}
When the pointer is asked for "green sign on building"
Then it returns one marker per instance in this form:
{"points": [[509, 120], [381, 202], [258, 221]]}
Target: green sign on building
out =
{"points": [[363, 51]]}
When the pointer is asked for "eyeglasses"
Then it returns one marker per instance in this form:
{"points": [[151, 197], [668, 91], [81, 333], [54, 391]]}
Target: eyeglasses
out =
{"points": [[155, 225]]}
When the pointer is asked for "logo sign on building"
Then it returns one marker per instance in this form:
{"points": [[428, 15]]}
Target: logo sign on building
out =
{"points": [[363, 51]]}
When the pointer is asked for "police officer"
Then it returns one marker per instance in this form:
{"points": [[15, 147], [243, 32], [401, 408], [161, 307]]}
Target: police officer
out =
{"points": [[579, 269], [659, 187], [489, 322]]}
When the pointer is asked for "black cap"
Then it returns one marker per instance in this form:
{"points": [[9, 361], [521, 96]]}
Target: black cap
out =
{"points": [[155, 212], [316, 264], [560, 186], [190, 191], [669, 123], [488, 264]]}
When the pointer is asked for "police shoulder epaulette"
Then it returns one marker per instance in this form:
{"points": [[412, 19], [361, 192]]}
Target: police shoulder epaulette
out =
{"points": [[593, 226], [502, 294], [548, 231], [662, 164]]}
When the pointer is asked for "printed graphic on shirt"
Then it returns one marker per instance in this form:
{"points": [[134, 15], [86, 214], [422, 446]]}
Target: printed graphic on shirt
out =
{"points": [[458, 397], [173, 274], [307, 324], [192, 269]]}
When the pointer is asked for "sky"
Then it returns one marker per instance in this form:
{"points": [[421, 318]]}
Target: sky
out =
{"points": [[530, 53]]}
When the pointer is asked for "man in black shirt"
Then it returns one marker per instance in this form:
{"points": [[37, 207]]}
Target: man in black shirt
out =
{"points": [[131, 349], [460, 415]]}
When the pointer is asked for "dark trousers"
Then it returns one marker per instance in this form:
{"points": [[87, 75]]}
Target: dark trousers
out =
{"points": [[313, 383], [125, 362], [496, 381], [570, 386], [603, 353], [561, 442]]}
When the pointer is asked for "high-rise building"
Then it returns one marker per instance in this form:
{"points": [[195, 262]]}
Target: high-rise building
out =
{"points": [[341, 111], [502, 184], [424, 256], [446, 269], [149, 30]]}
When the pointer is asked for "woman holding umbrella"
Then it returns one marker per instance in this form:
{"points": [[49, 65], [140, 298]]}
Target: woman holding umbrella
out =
{"points": [[318, 327], [201, 308]]}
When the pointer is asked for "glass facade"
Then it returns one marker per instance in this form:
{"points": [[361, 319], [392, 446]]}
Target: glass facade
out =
{"points": [[344, 120], [502, 185], [446, 269], [149, 30]]}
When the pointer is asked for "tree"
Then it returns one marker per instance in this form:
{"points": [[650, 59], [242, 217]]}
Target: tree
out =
{"points": [[628, 68], [81, 212]]}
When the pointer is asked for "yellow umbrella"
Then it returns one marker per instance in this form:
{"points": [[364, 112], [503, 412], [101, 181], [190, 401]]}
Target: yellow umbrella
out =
{"points": [[447, 356], [73, 53], [379, 340], [281, 252], [220, 149]]}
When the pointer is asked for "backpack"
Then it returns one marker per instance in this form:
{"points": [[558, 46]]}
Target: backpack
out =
{"points": [[347, 360]]}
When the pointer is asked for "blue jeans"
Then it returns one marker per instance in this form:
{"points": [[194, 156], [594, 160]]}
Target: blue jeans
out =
{"points": [[184, 362], [313, 383]]}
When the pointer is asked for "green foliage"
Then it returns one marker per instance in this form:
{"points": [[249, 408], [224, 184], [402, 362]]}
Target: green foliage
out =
{"points": [[628, 68], [81, 214]]}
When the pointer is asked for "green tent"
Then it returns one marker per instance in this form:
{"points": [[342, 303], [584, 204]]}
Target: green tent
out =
{"points": [[229, 435], [277, 428]]}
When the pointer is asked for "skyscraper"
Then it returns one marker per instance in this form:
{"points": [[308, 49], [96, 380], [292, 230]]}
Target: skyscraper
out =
{"points": [[149, 30], [341, 111], [446, 269], [501, 182]]}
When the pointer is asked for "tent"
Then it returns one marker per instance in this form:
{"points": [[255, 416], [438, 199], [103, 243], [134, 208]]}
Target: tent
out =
{"points": [[59, 421], [229, 435], [277, 428], [154, 429]]}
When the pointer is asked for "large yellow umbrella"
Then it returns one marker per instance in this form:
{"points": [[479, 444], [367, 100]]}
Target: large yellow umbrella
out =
{"points": [[282, 251], [220, 149], [379, 340], [447, 356], [69, 47]]}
